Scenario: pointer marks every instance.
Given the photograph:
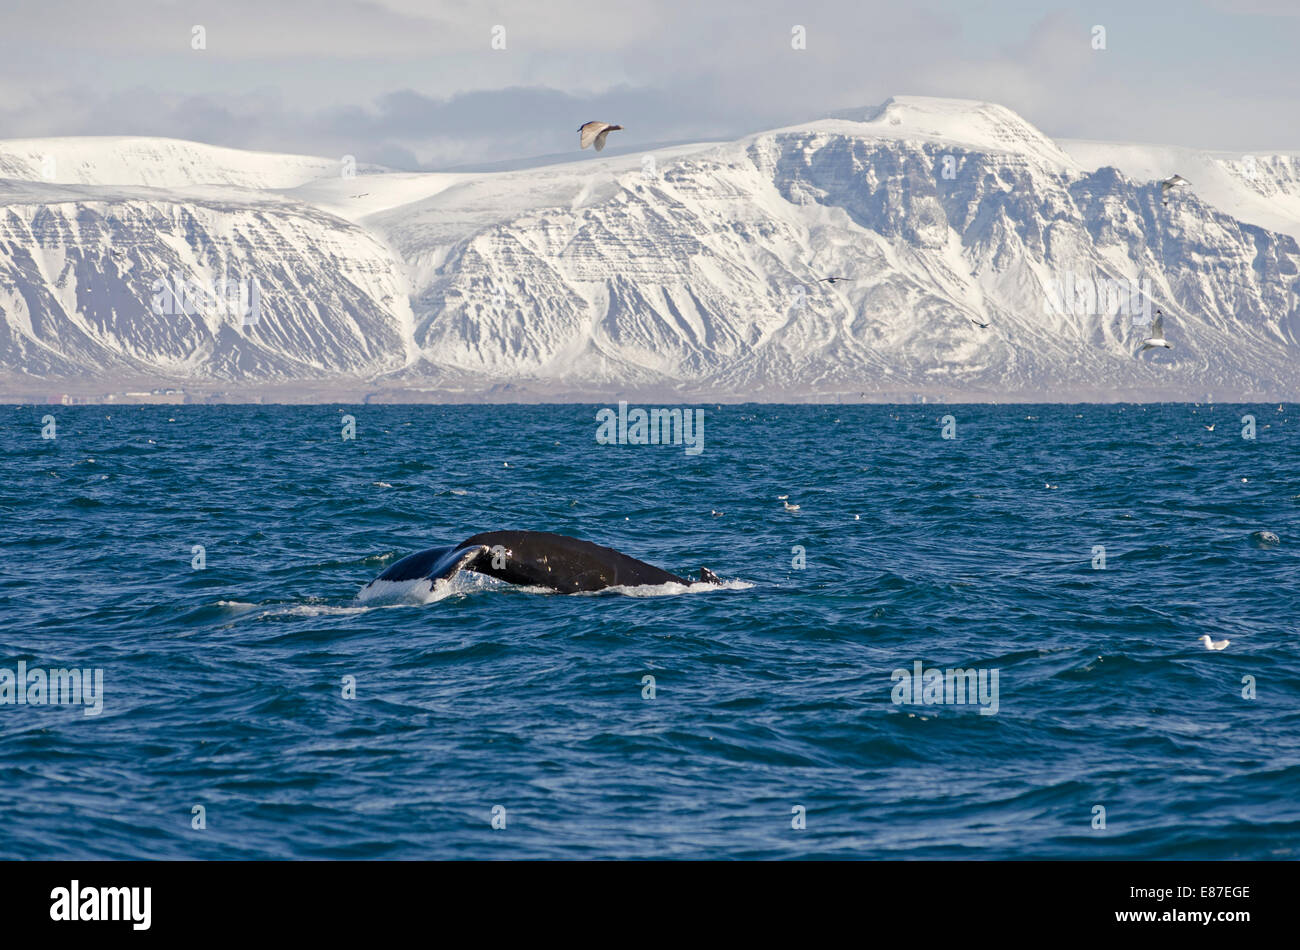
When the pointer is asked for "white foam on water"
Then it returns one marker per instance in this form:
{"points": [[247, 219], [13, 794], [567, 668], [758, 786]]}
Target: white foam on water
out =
{"points": [[380, 592], [671, 589], [421, 591], [322, 610]]}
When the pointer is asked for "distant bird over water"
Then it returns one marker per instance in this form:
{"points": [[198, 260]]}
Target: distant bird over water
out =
{"points": [[1169, 184], [596, 132], [1214, 644], [1157, 337], [982, 326], [831, 280]]}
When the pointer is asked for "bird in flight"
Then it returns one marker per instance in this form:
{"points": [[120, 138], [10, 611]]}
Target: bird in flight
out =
{"points": [[982, 326], [1169, 184], [596, 132], [831, 280], [1157, 337]]}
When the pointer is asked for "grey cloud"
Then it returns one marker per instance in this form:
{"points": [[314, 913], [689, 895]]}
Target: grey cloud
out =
{"points": [[414, 84]]}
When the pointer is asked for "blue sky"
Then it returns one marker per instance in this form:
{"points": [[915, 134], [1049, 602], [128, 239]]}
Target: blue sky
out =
{"points": [[413, 83]]}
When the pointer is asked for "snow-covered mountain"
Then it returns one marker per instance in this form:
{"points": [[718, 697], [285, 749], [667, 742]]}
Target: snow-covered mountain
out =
{"points": [[691, 272]]}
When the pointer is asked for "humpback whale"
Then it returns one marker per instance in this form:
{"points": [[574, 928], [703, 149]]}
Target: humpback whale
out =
{"points": [[529, 558]]}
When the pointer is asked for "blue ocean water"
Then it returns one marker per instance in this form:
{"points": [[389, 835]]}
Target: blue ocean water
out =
{"points": [[223, 686]]}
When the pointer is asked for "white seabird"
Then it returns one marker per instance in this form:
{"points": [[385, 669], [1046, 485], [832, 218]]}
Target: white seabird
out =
{"points": [[1213, 644], [1169, 184], [596, 132], [1157, 337]]}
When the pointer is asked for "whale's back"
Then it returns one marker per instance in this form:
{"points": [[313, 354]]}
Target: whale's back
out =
{"points": [[568, 565]]}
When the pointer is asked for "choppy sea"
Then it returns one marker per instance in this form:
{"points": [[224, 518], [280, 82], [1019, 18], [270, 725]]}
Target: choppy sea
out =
{"points": [[201, 564]]}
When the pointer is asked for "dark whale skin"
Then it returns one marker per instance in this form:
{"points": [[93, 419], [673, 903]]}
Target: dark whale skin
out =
{"points": [[568, 565], [535, 559]]}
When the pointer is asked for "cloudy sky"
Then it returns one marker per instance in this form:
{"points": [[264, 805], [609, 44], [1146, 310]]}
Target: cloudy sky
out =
{"points": [[418, 83]]}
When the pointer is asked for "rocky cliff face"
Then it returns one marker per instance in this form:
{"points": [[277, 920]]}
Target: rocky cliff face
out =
{"points": [[695, 270], [149, 285]]}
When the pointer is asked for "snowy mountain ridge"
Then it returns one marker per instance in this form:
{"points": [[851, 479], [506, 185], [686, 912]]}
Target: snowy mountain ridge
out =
{"points": [[692, 272]]}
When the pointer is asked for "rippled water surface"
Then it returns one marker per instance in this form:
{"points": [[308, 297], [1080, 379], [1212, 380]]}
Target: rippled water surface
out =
{"points": [[223, 687]]}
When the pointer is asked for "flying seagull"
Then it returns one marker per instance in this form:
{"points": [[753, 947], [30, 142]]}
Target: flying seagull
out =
{"points": [[831, 280], [982, 326], [1157, 337], [596, 132], [1213, 644], [1169, 184]]}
